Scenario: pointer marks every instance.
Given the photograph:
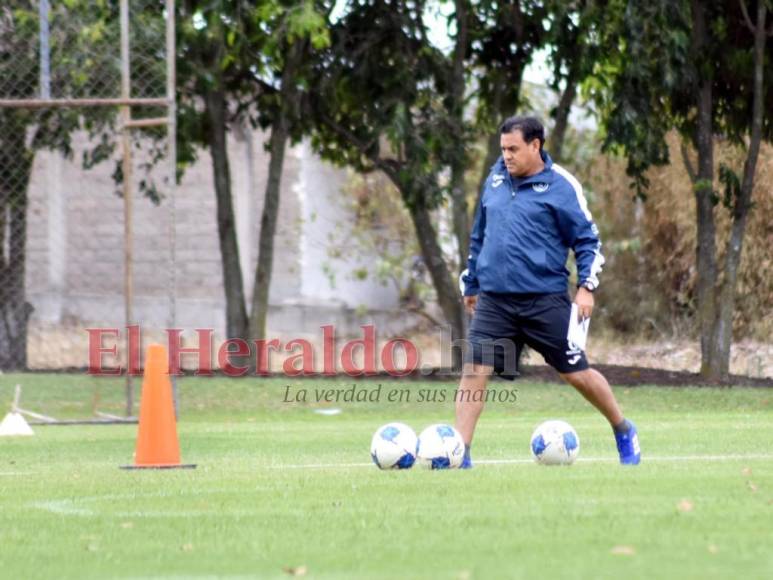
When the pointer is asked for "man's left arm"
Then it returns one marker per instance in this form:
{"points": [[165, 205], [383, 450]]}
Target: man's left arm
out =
{"points": [[582, 235]]}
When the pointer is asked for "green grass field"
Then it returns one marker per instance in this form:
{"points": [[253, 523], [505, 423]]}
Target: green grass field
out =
{"points": [[280, 490]]}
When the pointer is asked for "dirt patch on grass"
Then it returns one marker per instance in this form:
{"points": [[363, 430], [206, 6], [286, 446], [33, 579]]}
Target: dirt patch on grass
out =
{"points": [[633, 376]]}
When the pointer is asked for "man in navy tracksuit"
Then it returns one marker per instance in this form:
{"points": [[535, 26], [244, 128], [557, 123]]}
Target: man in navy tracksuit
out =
{"points": [[531, 213]]}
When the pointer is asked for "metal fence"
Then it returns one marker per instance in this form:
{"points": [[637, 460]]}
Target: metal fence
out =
{"points": [[84, 85]]}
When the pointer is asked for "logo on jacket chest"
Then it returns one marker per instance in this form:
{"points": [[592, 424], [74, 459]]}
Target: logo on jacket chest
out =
{"points": [[540, 187], [497, 180]]}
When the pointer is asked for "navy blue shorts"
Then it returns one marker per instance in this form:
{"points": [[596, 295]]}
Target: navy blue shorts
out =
{"points": [[503, 323]]}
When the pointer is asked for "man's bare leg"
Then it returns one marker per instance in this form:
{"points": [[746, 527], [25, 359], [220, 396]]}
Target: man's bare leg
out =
{"points": [[468, 405], [595, 388]]}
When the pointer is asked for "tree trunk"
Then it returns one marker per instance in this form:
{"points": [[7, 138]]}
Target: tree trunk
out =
{"points": [[460, 210], [704, 201], [279, 135], [493, 151], [723, 330], [459, 164], [264, 268], [236, 310], [556, 140], [447, 291], [493, 147], [15, 311]]}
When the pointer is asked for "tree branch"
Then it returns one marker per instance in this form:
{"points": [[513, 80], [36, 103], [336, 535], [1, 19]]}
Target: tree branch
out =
{"points": [[421, 312], [267, 88], [389, 167], [746, 18], [687, 162]]}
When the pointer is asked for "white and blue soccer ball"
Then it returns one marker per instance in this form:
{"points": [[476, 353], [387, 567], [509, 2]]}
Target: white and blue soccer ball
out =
{"points": [[555, 442], [440, 447], [394, 446]]}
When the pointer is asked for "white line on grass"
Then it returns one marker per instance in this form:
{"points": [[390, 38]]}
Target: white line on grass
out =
{"points": [[63, 507], [645, 459], [73, 507], [70, 508]]}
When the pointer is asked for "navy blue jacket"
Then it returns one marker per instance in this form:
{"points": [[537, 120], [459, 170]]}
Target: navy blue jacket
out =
{"points": [[523, 230]]}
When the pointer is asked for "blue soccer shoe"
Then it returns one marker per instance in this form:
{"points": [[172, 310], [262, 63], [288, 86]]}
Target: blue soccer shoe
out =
{"points": [[466, 460], [628, 445]]}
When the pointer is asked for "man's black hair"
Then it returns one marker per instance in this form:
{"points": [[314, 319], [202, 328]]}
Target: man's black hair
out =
{"points": [[530, 127]]}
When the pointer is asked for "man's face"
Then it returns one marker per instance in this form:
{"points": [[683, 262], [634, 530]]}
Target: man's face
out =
{"points": [[521, 158]]}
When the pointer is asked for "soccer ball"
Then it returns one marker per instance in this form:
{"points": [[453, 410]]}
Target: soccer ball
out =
{"points": [[555, 443], [440, 447], [394, 446]]}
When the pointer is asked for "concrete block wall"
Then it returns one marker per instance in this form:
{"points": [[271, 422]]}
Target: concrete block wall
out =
{"points": [[75, 251]]}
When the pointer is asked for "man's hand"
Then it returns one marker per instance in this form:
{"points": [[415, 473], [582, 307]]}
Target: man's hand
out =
{"points": [[469, 304], [584, 301]]}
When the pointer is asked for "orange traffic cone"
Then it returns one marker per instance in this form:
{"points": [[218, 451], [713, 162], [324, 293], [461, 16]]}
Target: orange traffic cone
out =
{"points": [[157, 444]]}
